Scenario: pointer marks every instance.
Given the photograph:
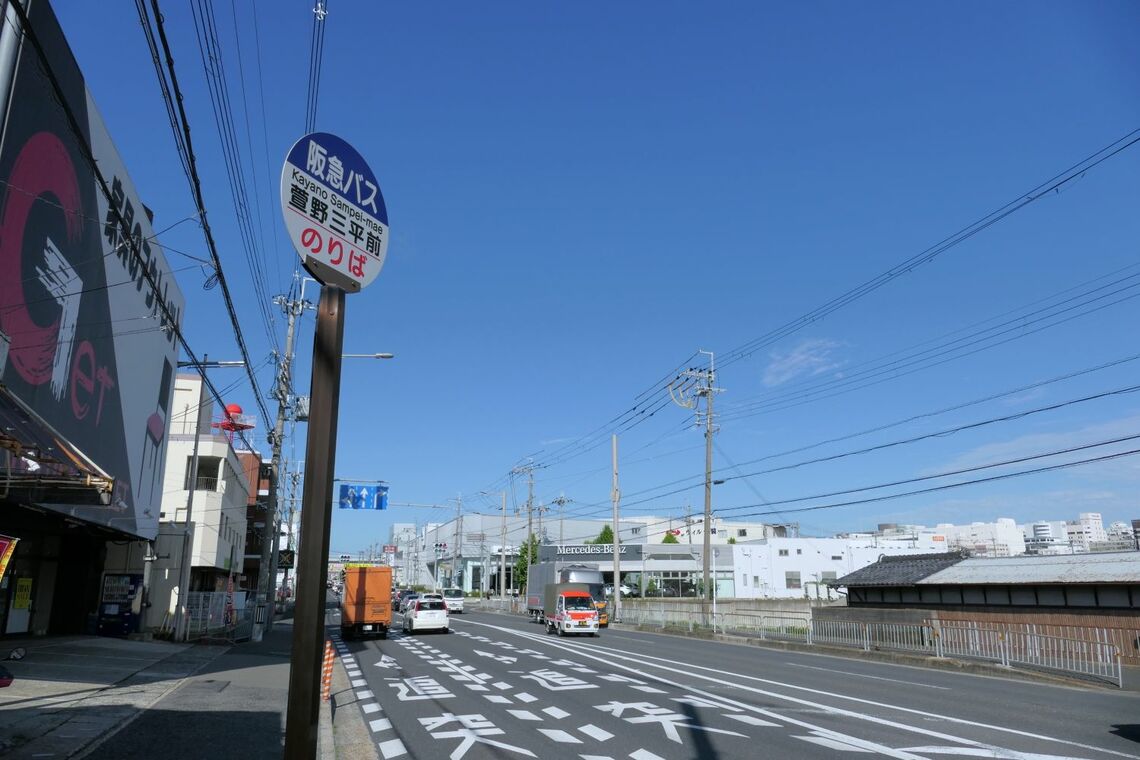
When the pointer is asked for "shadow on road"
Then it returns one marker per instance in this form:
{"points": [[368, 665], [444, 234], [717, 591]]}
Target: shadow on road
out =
{"points": [[1129, 731], [704, 748]]}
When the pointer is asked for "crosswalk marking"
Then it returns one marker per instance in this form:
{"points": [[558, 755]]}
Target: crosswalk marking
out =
{"points": [[644, 754], [595, 733], [556, 712], [359, 682], [371, 707], [524, 715], [380, 724], [522, 696], [498, 699], [392, 748], [560, 736]]}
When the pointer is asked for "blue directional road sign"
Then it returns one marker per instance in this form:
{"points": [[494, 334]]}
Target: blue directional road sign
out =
{"points": [[359, 496]]}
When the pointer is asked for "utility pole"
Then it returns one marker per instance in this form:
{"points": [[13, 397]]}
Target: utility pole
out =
{"points": [[503, 552], [458, 534], [181, 625], [615, 495], [686, 390], [266, 576]]}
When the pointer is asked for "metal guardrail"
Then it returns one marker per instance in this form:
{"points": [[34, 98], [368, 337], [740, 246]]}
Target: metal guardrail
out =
{"points": [[210, 618], [1094, 657]]}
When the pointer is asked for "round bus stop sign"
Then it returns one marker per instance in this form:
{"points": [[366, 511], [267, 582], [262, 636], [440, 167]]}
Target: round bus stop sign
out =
{"points": [[334, 211]]}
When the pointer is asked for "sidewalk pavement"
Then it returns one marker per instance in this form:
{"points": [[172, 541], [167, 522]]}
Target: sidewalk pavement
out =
{"points": [[114, 699]]}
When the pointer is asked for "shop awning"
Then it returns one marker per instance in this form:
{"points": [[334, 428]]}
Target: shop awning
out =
{"points": [[38, 464]]}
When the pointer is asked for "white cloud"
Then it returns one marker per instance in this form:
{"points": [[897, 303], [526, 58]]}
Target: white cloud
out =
{"points": [[811, 357], [1038, 443]]}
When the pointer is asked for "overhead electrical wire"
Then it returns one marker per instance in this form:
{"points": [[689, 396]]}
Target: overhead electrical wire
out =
{"points": [[183, 137], [913, 360], [213, 65], [1053, 184], [316, 61]]}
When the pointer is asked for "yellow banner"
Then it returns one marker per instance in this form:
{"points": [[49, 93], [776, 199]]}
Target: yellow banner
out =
{"points": [[7, 549]]}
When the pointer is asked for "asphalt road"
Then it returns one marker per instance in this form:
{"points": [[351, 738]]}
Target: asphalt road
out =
{"points": [[500, 687]]}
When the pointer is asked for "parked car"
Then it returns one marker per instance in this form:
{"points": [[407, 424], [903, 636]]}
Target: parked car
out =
{"points": [[426, 614], [625, 590], [453, 598], [408, 601]]}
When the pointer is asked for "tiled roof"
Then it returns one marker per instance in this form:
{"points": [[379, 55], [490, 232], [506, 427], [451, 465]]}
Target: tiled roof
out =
{"points": [[903, 570]]}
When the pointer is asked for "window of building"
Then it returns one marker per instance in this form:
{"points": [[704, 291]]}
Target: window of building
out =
{"points": [[783, 552], [755, 580], [837, 556], [827, 575], [635, 530], [743, 579], [799, 551], [209, 469], [741, 532], [792, 579]]}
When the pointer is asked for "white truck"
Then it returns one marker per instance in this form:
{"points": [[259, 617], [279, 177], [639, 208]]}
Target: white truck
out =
{"points": [[542, 574], [569, 609]]}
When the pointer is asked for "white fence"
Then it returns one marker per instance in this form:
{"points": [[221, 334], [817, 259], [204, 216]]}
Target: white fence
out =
{"points": [[219, 615]]}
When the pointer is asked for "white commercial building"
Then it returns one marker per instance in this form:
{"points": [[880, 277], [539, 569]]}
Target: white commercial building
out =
{"points": [[1087, 530], [788, 568], [217, 526], [1001, 538]]}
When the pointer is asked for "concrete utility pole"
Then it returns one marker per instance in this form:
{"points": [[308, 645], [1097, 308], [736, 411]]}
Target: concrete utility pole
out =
{"points": [[686, 391], [503, 551], [266, 574], [458, 534], [181, 625], [615, 495]]}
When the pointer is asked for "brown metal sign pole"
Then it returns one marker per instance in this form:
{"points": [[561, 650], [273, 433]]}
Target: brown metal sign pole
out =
{"points": [[301, 721]]}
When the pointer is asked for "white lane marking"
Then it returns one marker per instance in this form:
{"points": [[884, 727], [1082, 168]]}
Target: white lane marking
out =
{"points": [[524, 715], [823, 741], [476, 687], [556, 712], [688, 699], [359, 682], [380, 724], [559, 735], [387, 662], [501, 685], [644, 754], [595, 757], [497, 657], [861, 675], [498, 699], [364, 694], [752, 720], [593, 653], [392, 748], [583, 670], [354, 673], [595, 733], [522, 696], [370, 708], [649, 689]]}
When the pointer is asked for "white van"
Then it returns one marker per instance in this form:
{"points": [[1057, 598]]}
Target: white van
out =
{"points": [[454, 599]]}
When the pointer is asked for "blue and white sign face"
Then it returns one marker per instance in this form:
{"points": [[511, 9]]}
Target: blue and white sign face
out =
{"points": [[334, 211], [354, 496]]}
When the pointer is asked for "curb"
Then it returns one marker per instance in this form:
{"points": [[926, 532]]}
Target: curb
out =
{"points": [[344, 734]]}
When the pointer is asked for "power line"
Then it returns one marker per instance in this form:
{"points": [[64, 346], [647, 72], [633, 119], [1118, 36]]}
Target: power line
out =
{"points": [[196, 188], [1053, 184]]}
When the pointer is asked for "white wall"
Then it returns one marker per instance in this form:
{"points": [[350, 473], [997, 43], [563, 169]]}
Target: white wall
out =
{"points": [[761, 569]]}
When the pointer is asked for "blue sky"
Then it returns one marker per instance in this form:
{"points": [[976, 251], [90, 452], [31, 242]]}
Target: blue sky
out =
{"points": [[582, 196]]}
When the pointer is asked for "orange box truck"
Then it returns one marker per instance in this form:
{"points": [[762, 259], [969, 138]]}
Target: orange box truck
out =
{"points": [[366, 604]]}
